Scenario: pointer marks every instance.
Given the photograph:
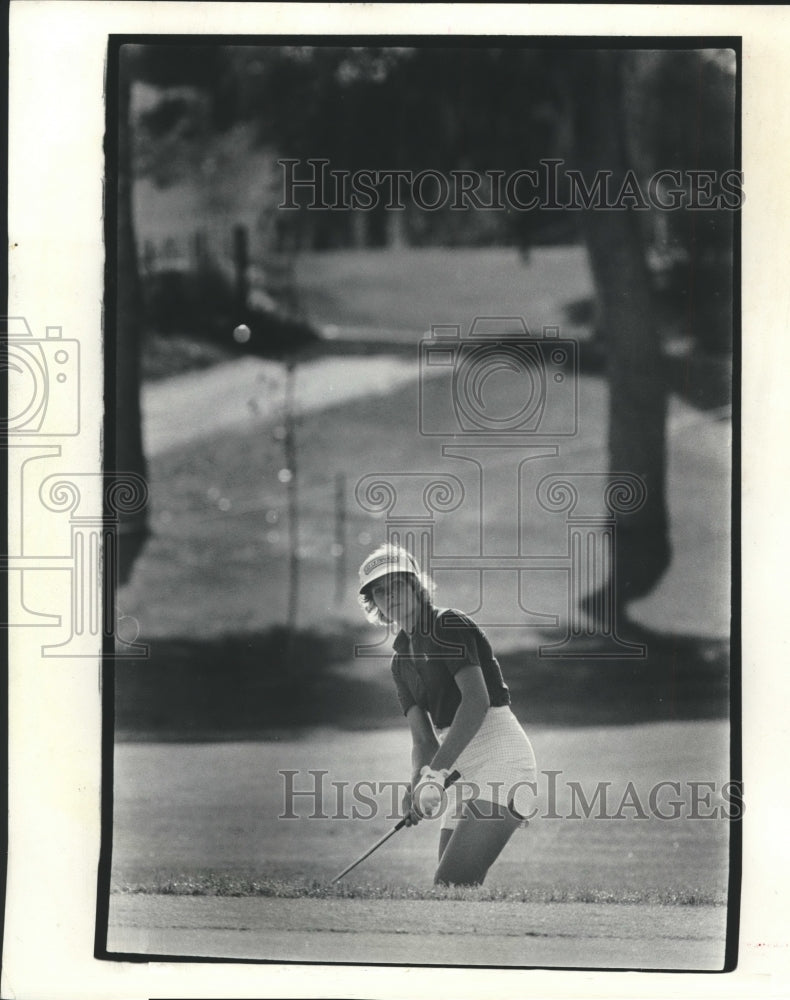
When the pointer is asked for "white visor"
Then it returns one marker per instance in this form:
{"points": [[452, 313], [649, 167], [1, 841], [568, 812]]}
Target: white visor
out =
{"points": [[378, 566]]}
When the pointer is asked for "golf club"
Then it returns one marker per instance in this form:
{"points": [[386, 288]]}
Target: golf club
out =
{"points": [[453, 776]]}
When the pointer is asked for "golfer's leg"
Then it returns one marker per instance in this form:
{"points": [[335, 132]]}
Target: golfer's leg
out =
{"points": [[475, 844], [444, 839], [453, 813]]}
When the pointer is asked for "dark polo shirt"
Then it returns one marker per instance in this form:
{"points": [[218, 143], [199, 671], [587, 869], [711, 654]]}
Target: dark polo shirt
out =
{"points": [[426, 661]]}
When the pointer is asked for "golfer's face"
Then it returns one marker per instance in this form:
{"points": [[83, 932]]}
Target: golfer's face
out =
{"points": [[395, 598]]}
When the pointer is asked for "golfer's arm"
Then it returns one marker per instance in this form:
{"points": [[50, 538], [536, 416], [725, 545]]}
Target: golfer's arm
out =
{"points": [[468, 716], [423, 740]]}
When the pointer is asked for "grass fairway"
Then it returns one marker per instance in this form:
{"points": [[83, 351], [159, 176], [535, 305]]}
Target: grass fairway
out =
{"points": [[204, 862], [217, 560], [410, 289], [199, 848]]}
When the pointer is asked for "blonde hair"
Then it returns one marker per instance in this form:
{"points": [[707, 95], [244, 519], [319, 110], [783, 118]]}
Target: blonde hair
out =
{"points": [[423, 584]]}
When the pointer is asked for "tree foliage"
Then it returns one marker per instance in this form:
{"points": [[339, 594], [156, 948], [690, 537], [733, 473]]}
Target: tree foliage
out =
{"points": [[480, 108], [460, 106]]}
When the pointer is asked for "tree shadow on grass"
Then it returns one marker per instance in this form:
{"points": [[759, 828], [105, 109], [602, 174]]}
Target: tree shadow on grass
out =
{"points": [[679, 678], [244, 686]]}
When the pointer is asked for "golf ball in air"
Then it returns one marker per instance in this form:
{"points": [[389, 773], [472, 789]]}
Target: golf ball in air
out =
{"points": [[242, 333]]}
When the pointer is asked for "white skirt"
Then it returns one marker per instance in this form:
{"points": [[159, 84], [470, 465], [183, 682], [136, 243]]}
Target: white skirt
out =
{"points": [[498, 765]]}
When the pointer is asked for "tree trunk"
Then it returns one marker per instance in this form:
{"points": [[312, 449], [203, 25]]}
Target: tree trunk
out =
{"points": [[635, 365], [133, 528]]}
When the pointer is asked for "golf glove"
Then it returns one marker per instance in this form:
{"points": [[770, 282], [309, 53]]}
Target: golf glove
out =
{"points": [[427, 796]]}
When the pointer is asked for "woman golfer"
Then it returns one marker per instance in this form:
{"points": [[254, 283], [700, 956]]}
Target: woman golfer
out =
{"points": [[457, 705]]}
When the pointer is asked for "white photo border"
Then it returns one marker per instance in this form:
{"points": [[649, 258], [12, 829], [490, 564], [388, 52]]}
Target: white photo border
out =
{"points": [[58, 54]]}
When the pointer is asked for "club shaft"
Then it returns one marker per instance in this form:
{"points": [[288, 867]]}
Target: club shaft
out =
{"points": [[370, 850], [398, 826]]}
